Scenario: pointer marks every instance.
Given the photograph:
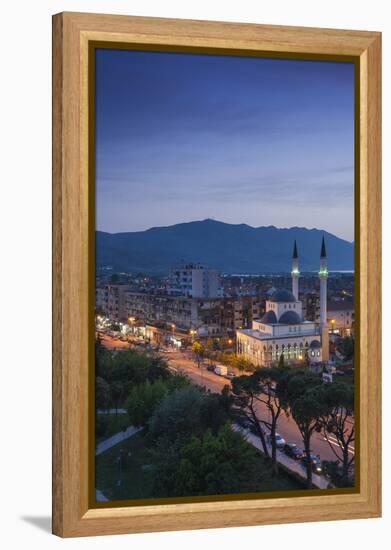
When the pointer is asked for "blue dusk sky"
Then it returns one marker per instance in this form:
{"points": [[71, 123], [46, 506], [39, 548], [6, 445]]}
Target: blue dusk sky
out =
{"points": [[183, 137]]}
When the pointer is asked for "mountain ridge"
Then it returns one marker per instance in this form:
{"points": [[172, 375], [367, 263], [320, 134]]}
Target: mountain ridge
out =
{"points": [[231, 248]]}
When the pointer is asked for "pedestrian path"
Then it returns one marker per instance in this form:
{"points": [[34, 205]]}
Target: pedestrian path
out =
{"points": [[114, 439], [100, 497], [293, 465], [112, 411]]}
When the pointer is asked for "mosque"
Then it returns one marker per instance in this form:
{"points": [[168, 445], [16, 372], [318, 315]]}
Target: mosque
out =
{"points": [[283, 330]]}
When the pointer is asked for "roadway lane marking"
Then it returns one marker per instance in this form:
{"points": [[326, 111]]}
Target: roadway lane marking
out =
{"points": [[334, 442]]}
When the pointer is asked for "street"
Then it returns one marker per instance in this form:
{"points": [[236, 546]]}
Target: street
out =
{"points": [[183, 362], [111, 343]]}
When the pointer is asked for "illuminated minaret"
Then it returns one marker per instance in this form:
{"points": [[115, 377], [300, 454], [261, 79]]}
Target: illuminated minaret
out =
{"points": [[324, 329], [295, 272]]}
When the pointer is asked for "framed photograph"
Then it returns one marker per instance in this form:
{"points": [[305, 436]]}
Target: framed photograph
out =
{"points": [[216, 274]]}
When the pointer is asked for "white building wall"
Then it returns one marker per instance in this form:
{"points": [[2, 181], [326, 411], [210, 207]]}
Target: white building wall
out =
{"points": [[261, 352]]}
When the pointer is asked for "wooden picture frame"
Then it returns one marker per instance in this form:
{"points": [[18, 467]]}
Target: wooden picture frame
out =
{"points": [[73, 260]]}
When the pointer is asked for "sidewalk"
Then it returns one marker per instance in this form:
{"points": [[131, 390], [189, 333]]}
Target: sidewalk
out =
{"points": [[112, 411], [114, 439], [100, 497], [294, 466]]}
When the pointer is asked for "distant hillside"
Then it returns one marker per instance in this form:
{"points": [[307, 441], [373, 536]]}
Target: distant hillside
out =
{"points": [[229, 248]]}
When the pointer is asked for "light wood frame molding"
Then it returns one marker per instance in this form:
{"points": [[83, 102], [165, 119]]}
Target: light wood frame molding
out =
{"points": [[72, 32]]}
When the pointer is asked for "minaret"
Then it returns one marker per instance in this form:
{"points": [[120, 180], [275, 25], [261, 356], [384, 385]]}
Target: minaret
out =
{"points": [[295, 272], [323, 325]]}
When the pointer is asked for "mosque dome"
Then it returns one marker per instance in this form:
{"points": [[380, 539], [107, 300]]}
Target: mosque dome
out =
{"points": [[282, 295], [290, 318], [269, 317]]}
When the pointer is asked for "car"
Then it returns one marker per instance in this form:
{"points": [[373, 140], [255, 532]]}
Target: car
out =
{"points": [[293, 451], [221, 370], [254, 430], [244, 423], [315, 462], [230, 375], [280, 441], [210, 368]]}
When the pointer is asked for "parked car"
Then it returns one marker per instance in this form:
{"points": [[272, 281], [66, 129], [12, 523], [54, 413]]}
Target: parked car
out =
{"points": [[230, 375], [221, 370], [254, 430], [293, 451], [210, 368], [244, 423], [315, 462], [280, 441]]}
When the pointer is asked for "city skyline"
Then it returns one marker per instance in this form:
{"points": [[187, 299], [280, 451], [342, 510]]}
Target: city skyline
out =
{"points": [[183, 137]]}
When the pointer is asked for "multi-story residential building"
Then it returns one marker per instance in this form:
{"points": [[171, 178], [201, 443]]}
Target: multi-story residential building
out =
{"points": [[207, 316], [110, 299], [311, 309], [195, 281], [341, 317]]}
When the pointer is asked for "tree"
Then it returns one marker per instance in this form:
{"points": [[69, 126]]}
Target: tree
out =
{"points": [[158, 369], [216, 345], [207, 464], [143, 400], [269, 379], [178, 415], [346, 348], [198, 351], [117, 394], [215, 410], [245, 390], [337, 424], [298, 395], [261, 388], [244, 365], [281, 362], [102, 393], [189, 410]]}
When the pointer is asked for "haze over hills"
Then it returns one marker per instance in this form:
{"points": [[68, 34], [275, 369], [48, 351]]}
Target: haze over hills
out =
{"points": [[227, 247]]}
